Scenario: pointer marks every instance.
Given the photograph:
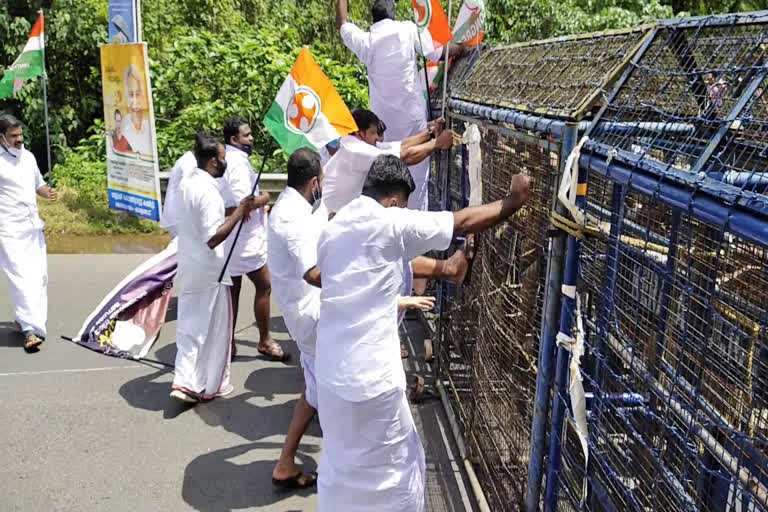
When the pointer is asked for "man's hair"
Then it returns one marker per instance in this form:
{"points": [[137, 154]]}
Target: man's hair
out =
{"points": [[206, 147], [388, 175], [364, 119], [383, 10], [382, 128], [303, 165], [7, 122], [232, 128]]}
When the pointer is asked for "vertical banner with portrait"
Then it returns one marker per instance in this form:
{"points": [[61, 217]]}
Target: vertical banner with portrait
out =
{"points": [[133, 182]]}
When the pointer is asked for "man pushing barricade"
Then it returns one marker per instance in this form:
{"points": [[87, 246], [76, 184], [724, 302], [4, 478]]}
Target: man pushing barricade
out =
{"points": [[22, 244], [390, 52], [372, 456]]}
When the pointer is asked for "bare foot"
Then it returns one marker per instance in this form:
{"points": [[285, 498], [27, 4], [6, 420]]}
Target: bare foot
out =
{"points": [[284, 470]]}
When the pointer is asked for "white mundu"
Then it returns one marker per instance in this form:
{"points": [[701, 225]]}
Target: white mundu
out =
{"points": [[204, 330], [372, 456], [251, 250], [293, 234], [344, 174], [390, 53], [22, 244]]}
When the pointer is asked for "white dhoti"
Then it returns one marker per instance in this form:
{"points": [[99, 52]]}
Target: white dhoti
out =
{"points": [[308, 365], [204, 342], [251, 248], [372, 457], [24, 261]]}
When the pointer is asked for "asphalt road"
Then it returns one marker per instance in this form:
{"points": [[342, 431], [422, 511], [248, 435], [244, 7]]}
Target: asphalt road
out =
{"points": [[86, 432]]}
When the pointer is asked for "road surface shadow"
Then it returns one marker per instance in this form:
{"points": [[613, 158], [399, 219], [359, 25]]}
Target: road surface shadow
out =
{"points": [[239, 415], [8, 335], [215, 482], [150, 392]]}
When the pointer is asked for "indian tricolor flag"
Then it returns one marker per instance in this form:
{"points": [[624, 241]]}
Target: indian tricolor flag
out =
{"points": [[308, 112], [28, 65]]}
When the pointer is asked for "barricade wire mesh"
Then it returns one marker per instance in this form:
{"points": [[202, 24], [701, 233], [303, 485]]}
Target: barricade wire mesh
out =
{"points": [[675, 308], [560, 77]]}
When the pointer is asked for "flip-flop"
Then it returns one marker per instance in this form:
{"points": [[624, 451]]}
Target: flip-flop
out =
{"points": [[295, 483], [275, 353], [32, 342]]}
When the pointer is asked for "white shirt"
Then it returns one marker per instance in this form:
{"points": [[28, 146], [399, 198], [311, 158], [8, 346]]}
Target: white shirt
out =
{"points": [[140, 140], [389, 52], [238, 182], [293, 233], [183, 166], [202, 209], [345, 172], [360, 255], [19, 180]]}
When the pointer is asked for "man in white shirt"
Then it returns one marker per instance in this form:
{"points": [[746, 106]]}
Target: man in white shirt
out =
{"points": [[183, 166], [372, 456], [204, 332], [250, 255], [293, 233], [22, 244], [390, 52], [346, 171]]}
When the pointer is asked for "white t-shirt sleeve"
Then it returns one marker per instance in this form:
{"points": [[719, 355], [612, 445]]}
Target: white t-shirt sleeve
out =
{"points": [[390, 148], [211, 215], [421, 231], [302, 250], [239, 180], [356, 40]]}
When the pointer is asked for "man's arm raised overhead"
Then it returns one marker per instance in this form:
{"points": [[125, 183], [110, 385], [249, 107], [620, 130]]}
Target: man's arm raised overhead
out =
{"points": [[341, 13]]}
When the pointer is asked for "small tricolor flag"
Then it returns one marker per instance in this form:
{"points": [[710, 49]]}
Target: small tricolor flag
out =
{"points": [[28, 65], [430, 16], [308, 112], [469, 23]]}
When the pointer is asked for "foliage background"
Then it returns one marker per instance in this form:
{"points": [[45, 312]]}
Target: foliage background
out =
{"points": [[211, 59]]}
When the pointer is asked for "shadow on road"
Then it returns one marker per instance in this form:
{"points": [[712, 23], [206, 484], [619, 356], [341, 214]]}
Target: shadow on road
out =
{"points": [[8, 335], [214, 481], [150, 392]]}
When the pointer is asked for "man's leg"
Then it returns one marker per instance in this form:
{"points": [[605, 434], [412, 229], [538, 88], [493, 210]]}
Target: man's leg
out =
{"points": [[267, 346], [237, 283], [286, 469]]}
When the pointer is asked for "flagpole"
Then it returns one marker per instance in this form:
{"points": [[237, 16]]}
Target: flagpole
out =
{"points": [[45, 104], [445, 66], [426, 78], [264, 159]]}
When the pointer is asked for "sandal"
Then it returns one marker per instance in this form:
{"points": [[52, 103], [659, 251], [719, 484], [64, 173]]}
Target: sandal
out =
{"points": [[294, 482], [275, 352], [31, 341]]}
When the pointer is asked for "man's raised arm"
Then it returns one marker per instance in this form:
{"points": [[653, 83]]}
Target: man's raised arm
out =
{"points": [[478, 218], [341, 13], [418, 147]]}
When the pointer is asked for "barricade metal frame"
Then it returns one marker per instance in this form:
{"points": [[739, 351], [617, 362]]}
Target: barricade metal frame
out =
{"points": [[652, 300]]}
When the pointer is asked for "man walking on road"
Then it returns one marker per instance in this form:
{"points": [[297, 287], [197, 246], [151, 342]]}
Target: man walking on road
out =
{"points": [[22, 244], [205, 310], [250, 255]]}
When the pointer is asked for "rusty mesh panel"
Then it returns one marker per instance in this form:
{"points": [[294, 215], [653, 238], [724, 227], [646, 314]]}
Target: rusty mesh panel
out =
{"points": [[508, 307], [560, 77]]}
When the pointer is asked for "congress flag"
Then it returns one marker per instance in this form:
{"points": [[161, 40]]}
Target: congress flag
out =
{"points": [[307, 112], [469, 23], [429, 16], [28, 65]]}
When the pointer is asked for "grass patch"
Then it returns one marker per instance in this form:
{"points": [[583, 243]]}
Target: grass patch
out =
{"points": [[74, 214]]}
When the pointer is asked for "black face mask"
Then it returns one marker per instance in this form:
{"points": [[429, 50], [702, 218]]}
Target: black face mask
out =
{"points": [[220, 169], [247, 149]]}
